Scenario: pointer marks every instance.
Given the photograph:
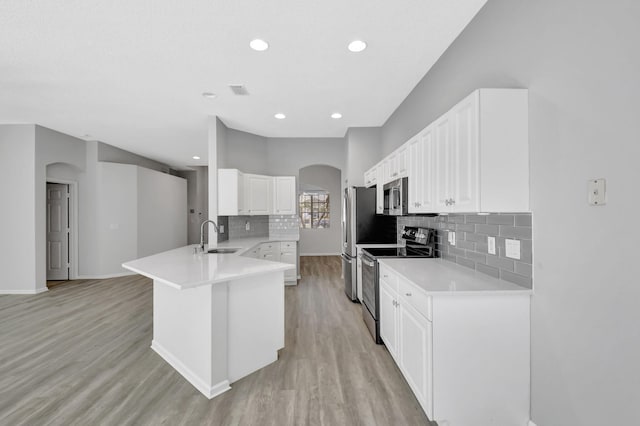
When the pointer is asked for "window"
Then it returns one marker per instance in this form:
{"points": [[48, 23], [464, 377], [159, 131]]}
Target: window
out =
{"points": [[314, 210]]}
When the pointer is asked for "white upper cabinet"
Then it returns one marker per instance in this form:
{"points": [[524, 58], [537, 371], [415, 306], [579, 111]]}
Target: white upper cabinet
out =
{"points": [[402, 162], [474, 158], [371, 176], [257, 189], [230, 192], [421, 172], [379, 188], [284, 195], [250, 194]]}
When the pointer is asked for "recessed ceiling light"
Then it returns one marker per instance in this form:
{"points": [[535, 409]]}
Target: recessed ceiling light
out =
{"points": [[209, 95], [336, 115], [195, 157], [357, 46], [280, 116], [259, 45]]}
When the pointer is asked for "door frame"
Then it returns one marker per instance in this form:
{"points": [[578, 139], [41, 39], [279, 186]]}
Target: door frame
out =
{"points": [[73, 221]]}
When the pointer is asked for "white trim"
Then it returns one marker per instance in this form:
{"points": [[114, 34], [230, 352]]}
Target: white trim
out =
{"points": [[319, 254], [105, 276], [197, 382], [73, 219], [35, 291]]}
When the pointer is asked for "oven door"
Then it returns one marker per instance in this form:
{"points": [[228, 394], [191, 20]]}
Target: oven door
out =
{"points": [[370, 309]]}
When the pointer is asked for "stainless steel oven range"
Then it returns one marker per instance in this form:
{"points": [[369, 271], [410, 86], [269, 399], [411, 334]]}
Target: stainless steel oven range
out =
{"points": [[420, 243]]}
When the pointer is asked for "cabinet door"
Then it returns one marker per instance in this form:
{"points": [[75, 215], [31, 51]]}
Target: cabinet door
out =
{"points": [[415, 342], [284, 200], [420, 173], [442, 166], [388, 319], [230, 192], [257, 194], [380, 189], [402, 161], [464, 143], [288, 255]]}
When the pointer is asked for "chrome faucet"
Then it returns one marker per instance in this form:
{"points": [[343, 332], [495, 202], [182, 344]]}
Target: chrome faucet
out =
{"points": [[202, 231]]}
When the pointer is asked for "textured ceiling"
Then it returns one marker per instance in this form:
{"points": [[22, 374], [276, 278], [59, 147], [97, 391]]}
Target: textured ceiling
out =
{"points": [[131, 73]]}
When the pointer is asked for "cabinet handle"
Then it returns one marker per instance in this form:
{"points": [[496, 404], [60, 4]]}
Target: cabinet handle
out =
{"points": [[408, 294], [453, 201], [386, 276]]}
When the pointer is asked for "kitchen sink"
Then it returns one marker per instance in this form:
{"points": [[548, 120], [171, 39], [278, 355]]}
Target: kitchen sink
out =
{"points": [[223, 250]]}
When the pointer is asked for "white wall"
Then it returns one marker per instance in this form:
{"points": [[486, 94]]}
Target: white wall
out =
{"points": [[323, 241], [117, 222], [162, 212], [579, 60], [364, 150], [18, 242], [53, 147]]}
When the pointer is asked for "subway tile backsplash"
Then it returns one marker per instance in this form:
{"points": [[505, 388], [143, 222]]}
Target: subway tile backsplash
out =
{"points": [[258, 226], [284, 227], [471, 248]]}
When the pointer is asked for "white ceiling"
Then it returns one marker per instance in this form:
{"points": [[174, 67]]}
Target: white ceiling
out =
{"points": [[131, 73]]}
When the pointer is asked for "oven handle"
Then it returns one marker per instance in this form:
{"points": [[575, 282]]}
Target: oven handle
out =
{"points": [[371, 264], [346, 259]]}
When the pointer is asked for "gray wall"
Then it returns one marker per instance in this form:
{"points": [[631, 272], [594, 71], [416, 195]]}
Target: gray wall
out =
{"points": [[579, 60], [323, 241], [246, 152], [364, 150], [111, 154], [288, 155]]}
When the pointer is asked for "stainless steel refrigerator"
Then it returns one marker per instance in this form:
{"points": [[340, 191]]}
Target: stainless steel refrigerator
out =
{"points": [[360, 225]]}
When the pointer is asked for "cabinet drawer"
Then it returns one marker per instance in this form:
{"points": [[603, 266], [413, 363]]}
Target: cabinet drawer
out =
{"points": [[389, 277], [290, 251], [414, 296], [288, 245], [269, 247]]}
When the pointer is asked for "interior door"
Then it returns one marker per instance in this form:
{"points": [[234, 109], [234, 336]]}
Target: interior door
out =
{"points": [[57, 231]]}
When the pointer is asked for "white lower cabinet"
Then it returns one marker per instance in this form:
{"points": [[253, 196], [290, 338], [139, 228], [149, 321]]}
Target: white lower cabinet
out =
{"points": [[415, 356], [279, 251], [408, 337], [465, 357]]}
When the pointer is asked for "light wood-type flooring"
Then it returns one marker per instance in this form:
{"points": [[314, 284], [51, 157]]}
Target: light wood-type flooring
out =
{"points": [[79, 355]]}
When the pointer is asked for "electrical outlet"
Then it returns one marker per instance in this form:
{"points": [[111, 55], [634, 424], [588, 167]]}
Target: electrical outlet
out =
{"points": [[247, 226], [597, 192], [491, 243], [221, 228], [512, 249], [452, 238]]}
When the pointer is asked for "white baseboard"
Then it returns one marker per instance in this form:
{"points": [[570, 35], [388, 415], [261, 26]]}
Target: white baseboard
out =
{"points": [[319, 254], [34, 291], [197, 382], [105, 276]]}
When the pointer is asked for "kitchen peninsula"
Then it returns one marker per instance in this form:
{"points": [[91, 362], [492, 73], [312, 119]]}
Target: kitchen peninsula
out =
{"points": [[216, 317]]}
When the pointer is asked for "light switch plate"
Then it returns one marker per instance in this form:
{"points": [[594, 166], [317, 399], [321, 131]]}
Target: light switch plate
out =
{"points": [[491, 244], [452, 238], [512, 249], [597, 192]]}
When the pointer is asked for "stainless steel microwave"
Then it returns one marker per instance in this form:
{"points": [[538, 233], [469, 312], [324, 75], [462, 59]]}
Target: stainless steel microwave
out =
{"points": [[396, 197]]}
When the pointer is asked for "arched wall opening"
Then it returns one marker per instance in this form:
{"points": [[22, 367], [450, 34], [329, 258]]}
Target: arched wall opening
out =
{"points": [[321, 230]]}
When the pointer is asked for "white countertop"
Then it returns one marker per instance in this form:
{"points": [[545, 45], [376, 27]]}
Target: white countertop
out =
{"points": [[181, 269], [440, 277]]}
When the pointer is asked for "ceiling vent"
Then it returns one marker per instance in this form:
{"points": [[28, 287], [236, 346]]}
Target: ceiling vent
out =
{"points": [[238, 89]]}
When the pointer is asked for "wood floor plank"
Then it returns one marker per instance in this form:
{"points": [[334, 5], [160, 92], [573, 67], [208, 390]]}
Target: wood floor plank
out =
{"points": [[79, 354]]}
